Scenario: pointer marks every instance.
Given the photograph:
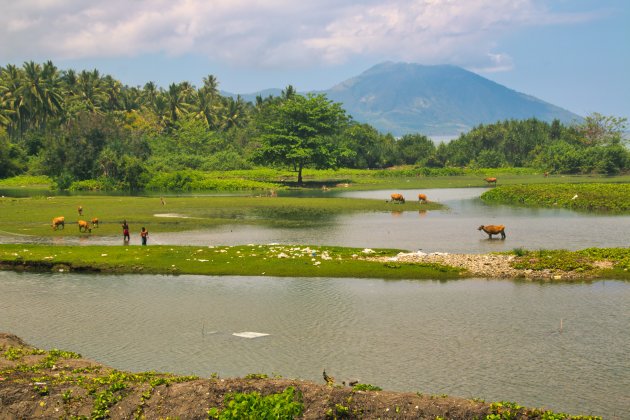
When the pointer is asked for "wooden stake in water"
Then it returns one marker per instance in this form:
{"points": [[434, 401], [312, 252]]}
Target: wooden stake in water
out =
{"points": [[560, 324]]}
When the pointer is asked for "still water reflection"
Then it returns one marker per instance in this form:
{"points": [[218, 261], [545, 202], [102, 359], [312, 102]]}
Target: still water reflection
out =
{"points": [[497, 340]]}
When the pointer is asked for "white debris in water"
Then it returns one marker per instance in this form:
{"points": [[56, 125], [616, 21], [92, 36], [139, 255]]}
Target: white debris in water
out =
{"points": [[203, 260], [249, 334], [282, 255]]}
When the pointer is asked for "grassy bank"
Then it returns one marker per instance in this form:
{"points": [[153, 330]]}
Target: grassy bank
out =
{"points": [[612, 198], [264, 179], [32, 216], [315, 261], [247, 260]]}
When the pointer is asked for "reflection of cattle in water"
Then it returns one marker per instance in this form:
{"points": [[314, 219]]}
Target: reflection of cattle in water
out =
{"points": [[397, 213], [58, 221], [95, 222], [422, 198], [398, 198], [84, 226], [491, 181], [493, 230]]}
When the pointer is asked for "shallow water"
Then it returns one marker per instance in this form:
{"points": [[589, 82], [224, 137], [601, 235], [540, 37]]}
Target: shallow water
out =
{"points": [[453, 230], [492, 339]]}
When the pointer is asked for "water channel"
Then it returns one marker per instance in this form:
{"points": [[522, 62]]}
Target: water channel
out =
{"points": [[492, 339]]}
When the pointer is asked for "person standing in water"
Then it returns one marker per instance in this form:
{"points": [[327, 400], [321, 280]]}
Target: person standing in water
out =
{"points": [[144, 234], [125, 228]]}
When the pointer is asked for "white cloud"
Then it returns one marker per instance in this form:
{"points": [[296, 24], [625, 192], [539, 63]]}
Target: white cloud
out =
{"points": [[272, 33]]}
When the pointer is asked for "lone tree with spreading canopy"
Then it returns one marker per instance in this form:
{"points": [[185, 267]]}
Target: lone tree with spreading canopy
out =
{"points": [[301, 131]]}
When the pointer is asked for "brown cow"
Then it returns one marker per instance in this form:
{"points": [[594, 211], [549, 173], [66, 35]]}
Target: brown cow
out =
{"points": [[398, 198], [422, 198], [58, 221], [95, 222], [493, 230], [84, 226], [80, 210], [491, 180]]}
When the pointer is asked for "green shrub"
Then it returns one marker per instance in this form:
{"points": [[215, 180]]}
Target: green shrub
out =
{"points": [[254, 406], [366, 387]]}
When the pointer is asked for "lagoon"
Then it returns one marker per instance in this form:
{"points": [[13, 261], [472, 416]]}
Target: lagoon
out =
{"points": [[492, 339]]}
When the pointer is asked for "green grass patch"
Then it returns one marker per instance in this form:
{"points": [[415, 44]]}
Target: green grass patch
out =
{"points": [[247, 260], [33, 216], [264, 179], [584, 260], [27, 181], [611, 198]]}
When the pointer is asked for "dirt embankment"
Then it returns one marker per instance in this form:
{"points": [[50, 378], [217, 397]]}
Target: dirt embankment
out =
{"points": [[37, 384]]}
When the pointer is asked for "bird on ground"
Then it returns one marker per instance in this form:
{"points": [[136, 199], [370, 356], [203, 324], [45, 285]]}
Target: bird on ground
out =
{"points": [[329, 379]]}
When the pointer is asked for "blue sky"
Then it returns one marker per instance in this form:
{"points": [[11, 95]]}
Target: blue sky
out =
{"points": [[571, 53]]}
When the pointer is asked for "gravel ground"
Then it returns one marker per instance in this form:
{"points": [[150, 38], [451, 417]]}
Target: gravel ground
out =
{"points": [[485, 265]]}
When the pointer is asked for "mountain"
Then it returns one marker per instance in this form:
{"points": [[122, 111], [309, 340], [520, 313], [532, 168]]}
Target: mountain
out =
{"points": [[440, 100]]}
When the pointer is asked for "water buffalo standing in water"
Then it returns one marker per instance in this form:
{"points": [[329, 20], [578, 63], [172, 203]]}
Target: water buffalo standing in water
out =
{"points": [[493, 230]]}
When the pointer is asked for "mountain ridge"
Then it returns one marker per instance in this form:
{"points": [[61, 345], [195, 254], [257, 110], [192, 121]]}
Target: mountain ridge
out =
{"points": [[436, 100]]}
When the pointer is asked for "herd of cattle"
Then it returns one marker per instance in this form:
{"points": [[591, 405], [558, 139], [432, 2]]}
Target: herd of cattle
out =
{"points": [[489, 229], [60, 222]]}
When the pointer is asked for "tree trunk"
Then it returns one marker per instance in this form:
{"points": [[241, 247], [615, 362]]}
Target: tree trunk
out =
{"points": [[300, 174]]}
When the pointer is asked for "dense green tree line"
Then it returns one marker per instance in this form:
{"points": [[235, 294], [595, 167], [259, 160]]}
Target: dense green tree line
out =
{"points": [[84, 126]]}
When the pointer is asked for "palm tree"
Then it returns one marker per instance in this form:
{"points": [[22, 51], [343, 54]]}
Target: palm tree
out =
{"points": [[53, 91], [149, 94], [12, 101], [211, 85], [112, 89], [206, 107], [233, 113], [176, 97], [90, 95]]}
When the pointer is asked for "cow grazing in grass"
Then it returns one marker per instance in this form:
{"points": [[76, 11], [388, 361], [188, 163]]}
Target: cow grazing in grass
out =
{"points": [[58, 221], [422, 198], [398, 198], [95, 222], [493, 230], [491, 181], [84, 226], [80, 210]]}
